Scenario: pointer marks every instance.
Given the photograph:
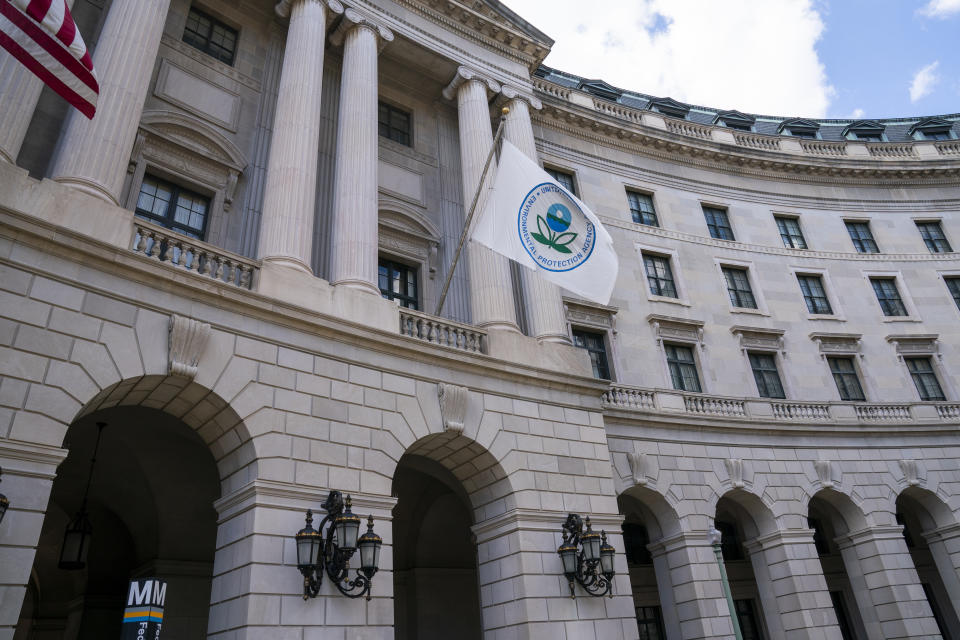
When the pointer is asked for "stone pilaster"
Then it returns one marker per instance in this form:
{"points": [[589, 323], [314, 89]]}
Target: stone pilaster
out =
{"points": [[886, 585], [543, 301], [93, 154], [944, 544], [491, 290], [354, 249], [691, 596], [286, 228], [792, 588]]}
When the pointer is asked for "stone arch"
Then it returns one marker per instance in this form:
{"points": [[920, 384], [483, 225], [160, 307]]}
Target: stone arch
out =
{"points": [[659, 516], [756, 515], [932, 511], [848, 514]]}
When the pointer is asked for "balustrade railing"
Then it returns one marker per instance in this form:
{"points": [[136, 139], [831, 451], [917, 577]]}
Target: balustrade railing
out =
{"points": [[753, 141], [629, 397], [800, 411], [821, 148], [710, 405], [170, 247], [887, 150], [949, 411], [441, 331], [949, 148], [882, 412], [683, 128], [551, 89], [617, 110]]}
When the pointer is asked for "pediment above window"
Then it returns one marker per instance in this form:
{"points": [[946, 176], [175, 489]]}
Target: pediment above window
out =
{"points": [[799, 126], [590, 314], [601, 89], [759, 338], [669, 107], [406, 233], [924, 344], [931, 125], [861, 127], [845, 344], [676, 329], [734, 119]]}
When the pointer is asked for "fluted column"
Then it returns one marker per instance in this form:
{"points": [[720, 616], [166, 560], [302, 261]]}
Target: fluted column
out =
{"points": [[286, 226], [93, 154], [544, 304], [354, 250], [491, 291]]}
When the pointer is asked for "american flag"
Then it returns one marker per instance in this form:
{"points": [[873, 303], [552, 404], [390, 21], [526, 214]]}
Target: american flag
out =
{"points": [[43, 36]]}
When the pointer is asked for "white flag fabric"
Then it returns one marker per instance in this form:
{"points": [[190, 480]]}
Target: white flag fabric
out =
{"points": [[532, 219]]}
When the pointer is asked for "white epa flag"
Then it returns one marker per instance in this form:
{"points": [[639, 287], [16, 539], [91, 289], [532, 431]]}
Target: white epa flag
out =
{"points": [[532, 219]]}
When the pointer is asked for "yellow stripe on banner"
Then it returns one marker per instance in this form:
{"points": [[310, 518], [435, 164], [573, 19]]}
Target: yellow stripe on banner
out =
{"points": [[140, 613]]}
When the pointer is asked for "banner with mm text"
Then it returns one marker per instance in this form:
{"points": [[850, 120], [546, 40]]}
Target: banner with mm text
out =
{"points": [[532, 219]]}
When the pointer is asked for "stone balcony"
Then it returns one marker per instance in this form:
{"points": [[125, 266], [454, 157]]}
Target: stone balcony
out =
{"points": [[696, 406]]}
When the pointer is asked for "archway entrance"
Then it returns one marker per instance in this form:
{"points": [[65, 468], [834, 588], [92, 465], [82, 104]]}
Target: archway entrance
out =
{"points": [[436, 587], [150, 507]]}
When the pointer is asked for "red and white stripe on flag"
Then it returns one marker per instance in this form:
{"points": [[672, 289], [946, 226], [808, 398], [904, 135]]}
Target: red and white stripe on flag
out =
{"points": [[43, 36]]}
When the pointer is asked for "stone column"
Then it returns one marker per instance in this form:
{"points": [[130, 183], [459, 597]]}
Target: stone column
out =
{"points": [[544, 304], [792, 588], [491, 290], [688, 580], [944, 544], [355, 233], [886, 585], [286, 226], [93, 154]]}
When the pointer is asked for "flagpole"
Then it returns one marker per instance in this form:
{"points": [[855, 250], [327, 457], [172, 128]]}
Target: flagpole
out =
{"points": [[473, 207]]}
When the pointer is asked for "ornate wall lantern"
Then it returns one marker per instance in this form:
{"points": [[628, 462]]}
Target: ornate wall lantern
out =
{"points": [[77, 537], [586, 557], [317, 552], [4, 503]]}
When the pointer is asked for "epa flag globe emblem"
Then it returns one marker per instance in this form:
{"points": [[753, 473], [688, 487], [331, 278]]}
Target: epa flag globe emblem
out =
{"points": [[554, 230]]}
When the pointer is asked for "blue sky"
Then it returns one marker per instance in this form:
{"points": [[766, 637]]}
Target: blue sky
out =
{"points": [[813, 58]]}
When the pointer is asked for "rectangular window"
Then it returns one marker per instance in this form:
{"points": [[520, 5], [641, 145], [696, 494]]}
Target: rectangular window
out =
{"points": [[862, 238], [650, 622], [790, 232], [398, 282], [172, 206], [683, 368], [943, 134], [659, 275], [932, 234], [888, 296], [953, 286], [846, 378], [393, 123], [738, 288], [921, 370], [717, 223], [869, 137], [765, 373], [747, 617], [814, 295], [594, 344], [641, 207], [565, 179], [211, 36]]}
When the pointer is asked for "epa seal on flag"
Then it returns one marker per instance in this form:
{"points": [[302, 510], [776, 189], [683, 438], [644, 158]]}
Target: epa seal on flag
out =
{"points": [[554, 230]]}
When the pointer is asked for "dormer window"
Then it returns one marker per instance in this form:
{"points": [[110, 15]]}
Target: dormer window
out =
{"points": [[933, 129], [799, 128], [865, 131], [670, 107], [735, 120], [601, 89]]}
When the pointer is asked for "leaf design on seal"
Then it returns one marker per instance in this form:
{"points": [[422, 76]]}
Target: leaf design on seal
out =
{"points": [[543, 229], [539, 238], [562, 240], [562, 248]]}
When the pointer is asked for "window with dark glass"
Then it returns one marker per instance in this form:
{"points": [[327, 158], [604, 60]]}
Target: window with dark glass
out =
{"points": [[393, 123], [683, 368], [932, 234], [659, 275], [650, 622], [717, 223], [730, 547], [765, 373], [565, 179], [819, 537], [211, 36], [641, 207], [814, 295], [846, 378], [398, 282], [953, 286], [738, 288], [921, 370], [803, 133], [868, 137], [594, 344], [635, 541], [888, 296], [173, 206], [843, 620], [862, 238], [942, 134], [747, 617], [790, 232]]}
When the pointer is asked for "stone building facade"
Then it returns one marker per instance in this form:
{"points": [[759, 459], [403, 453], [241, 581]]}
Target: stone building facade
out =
{"points": [[779, 359]]}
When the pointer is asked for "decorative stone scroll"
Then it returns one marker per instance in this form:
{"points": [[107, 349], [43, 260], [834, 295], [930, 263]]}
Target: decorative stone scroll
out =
{"points": [[352, 18], [919, 344], [735, 471], [465, 74], [759, 338], [911, 472], [824, 469], [508, 93], [837, 344], [672, 328], [188, 337], [639, 467], [453, 406]]}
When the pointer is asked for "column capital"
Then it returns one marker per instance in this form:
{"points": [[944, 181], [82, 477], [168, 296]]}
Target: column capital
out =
{"points": [[870, 534], [510, 93], [944, 533], [282, 8], [778, 538], [353, 18], [466, 75]]}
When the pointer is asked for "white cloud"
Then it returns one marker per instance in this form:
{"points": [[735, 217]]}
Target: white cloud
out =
{"points": [[856, 114], [924, 81], [752, 55], [940, 8]]}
